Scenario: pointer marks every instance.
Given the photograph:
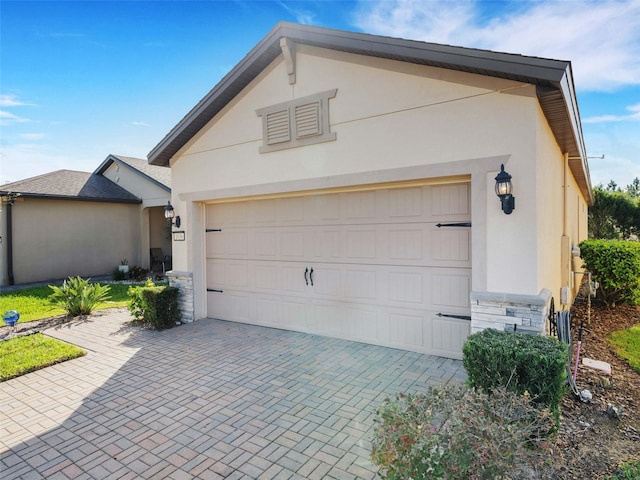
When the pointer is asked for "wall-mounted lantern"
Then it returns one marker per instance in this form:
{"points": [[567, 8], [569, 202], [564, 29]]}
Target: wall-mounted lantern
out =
{"points": [[169, 214], [504, 189]]}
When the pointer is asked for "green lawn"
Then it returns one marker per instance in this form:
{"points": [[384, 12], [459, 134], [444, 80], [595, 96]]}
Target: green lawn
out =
{"points": [[29, 353], [627, 345], [628, 471], [25, 354], [33, 303]]}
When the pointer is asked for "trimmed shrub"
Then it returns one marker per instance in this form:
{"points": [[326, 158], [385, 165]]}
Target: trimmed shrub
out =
{"points": [[78, 296], [161, 306], [520, 363], [615, 265], [135, 305], [156, 306], [457, 433]]}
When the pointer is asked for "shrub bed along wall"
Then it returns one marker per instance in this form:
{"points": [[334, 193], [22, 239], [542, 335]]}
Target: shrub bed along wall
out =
{"points": [[531, 364], [615, 265]]}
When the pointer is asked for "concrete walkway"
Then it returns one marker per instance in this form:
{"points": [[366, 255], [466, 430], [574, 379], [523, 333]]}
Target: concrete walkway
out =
{"points": [[211, 399]]}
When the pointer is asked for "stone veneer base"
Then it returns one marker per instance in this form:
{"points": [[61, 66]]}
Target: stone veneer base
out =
{"points": [[184, 282], [509, 312]]}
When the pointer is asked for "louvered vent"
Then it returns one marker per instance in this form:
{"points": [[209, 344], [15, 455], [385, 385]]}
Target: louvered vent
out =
{"points": [[296, 123], [278, 127], [307, 118]]}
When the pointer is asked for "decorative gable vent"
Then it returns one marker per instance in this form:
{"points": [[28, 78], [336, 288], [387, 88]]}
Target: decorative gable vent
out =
{"points": [[307, 118], [277, 128], [304, 121]]}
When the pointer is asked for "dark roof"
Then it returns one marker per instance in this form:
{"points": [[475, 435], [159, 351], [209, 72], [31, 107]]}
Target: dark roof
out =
{"points": [[553, 78], [161, 176], [70, 185]]}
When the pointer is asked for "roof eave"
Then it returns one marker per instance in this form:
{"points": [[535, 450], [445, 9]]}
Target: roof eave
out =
{"points": [[551, 76], [158, 156], [44, 196]]}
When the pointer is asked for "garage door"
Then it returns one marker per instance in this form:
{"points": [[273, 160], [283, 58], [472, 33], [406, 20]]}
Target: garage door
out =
{"points": [[389, 266]]}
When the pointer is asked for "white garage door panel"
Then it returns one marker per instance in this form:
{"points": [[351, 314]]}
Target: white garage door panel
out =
{"points": [[405, 329], [412, 329], [403, 205], [396, 244], [383, 272], [448, 336], [234, 307], [405, 287]]}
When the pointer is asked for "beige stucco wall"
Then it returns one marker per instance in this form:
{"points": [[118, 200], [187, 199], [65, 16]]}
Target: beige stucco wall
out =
{"points": [[133, 181], [395, 120], [53, 239], [561, 211], [380, 122], [154, 198]]}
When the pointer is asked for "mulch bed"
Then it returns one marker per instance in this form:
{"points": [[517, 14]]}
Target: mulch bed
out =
{"points": [[592, 442], [29, 328]]}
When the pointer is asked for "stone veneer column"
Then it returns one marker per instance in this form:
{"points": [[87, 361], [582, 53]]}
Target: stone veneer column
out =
{"points": [[504, 310], [183, 281]]}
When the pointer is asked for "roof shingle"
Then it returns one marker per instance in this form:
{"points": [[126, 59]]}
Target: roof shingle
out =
{"points": [[160, 175], [72, 185]]}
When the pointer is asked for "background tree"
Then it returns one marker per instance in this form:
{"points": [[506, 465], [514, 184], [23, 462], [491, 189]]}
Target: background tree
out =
{"points": [[615, 213], [633, 190]]}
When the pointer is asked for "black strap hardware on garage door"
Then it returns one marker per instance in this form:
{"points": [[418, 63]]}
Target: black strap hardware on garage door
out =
{"points": [[459, 317], [213, 290], [459, 224], [213, 230]]}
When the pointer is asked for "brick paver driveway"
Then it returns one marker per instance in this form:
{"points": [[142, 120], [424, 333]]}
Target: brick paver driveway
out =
{"points": [[210, 399]]}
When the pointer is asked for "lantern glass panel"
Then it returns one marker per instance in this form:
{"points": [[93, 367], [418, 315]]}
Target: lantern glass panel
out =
{"points": [[168, 212], [503, 188]]}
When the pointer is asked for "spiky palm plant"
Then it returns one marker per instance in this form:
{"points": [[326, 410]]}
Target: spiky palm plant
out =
{"points": [[78, 296]]}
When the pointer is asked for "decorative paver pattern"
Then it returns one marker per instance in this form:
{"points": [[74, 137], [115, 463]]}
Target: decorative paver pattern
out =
{"points": [[209, 399]]}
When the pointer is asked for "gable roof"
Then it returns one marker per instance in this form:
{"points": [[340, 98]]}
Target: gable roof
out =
{"points": [[70, 185], [161, 176], [553, 79]]}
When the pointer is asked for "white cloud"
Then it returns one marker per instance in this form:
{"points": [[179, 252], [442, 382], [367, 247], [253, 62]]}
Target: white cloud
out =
{"points": [[442, 22], [305, 17], [140, 124], [601, 39], [32, 136], [8, 100], [633, 116], [67, 35], [11, 101], [7, 118]]}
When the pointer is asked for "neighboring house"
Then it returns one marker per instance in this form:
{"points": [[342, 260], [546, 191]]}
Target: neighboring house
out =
{"points": [[343, 184], [79, 223]]}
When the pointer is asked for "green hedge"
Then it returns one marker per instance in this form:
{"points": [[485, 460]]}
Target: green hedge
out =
{"points": [[615, 265], [161, 306], [155, 306], [519, 362]]}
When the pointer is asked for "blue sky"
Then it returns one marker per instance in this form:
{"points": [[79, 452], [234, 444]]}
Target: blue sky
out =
{"points": [[82, 80]]}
